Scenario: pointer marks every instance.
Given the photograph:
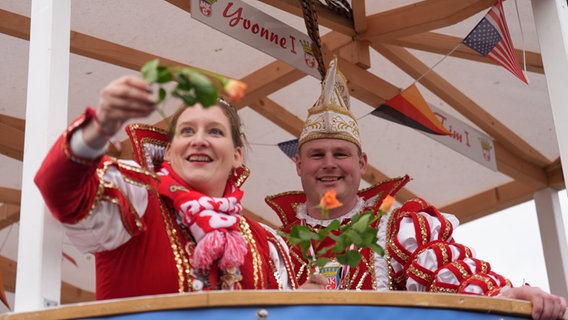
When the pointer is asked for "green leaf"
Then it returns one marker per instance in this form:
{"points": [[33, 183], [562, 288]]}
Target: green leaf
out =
{"points": [[353, 236], [164, 75], [307, 235], [183, 83], [150, 70], [351, 258], [188, 99], [205, 90], [378, 249], [325, 232], [305, 245], [296, 230], [362, 223], [320, 262]]}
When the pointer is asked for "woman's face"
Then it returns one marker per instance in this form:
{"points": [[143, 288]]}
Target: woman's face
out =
{"points": [[202, 150]]}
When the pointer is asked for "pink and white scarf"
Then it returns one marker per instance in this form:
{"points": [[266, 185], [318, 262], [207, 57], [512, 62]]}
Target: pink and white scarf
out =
{"points": [[213, 222]]}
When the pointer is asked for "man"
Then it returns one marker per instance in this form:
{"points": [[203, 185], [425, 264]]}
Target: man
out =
{"points": [[420, 252]]}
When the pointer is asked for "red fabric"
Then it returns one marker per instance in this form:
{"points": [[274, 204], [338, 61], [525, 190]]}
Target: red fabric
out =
{"points": [[156, 260], [213, 222], [284, 205]]}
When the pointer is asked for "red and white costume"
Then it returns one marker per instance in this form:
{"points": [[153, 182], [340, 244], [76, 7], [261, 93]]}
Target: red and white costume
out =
{"points": [[113, 209], [420, 253]]}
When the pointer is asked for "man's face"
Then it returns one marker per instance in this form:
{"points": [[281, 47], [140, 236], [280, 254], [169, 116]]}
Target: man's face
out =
{"points": [[325, 164]]}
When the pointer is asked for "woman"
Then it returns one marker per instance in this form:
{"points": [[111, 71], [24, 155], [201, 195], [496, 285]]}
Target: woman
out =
{"points": [[176, 230]]}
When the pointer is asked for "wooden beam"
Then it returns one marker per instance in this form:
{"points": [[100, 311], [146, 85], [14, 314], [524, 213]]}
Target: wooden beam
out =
{"points": [[14, 25], [279, 116], [373, 90], [182, 4], [267, 80], [518, 168], [490, 201], [69, 293], [278, 74], [10, 196], [359, 16], [555, 175], [444, 44], [420, 17], [358, 53], [460, 102], [12, 137], [326, 17], [9, 214]]}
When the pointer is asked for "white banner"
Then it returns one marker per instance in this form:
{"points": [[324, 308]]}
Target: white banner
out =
{"points": [[259, 30], [465, 139]]}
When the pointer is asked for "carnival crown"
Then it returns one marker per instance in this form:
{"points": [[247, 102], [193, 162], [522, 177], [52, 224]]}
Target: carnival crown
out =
{"points": [[331, 117]]}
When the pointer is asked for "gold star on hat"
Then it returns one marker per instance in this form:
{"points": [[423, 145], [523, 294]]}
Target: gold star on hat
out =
{"points": [[331, 117]]}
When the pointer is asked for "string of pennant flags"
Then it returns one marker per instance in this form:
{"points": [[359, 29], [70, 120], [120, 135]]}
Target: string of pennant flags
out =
{"points": [[490, 38]]}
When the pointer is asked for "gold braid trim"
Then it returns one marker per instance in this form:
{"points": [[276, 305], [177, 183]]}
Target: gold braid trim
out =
{"points": [[181, 253], [256, 259], [287, 262]]}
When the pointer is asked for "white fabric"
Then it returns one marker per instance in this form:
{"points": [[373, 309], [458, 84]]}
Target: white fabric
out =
{"points": [[302, 214], [103, 229], [381, 266], [282, 271], [428, 260], [80, 148], [406, 236]]}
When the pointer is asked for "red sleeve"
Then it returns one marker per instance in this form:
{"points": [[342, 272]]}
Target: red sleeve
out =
{"points": [[68, 183]]}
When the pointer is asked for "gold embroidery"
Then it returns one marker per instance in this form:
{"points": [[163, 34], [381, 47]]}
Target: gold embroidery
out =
{"points": [[181, 257], [461, 269], [484, 279], [276, 274], [418, 273], [284, 257], [423, 229], [442, 290], [279, 210], [256, 259], [444, 252]]}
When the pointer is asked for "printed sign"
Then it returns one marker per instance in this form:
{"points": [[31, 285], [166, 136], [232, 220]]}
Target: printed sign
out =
{"points": [[465, 139], [259, 30]]}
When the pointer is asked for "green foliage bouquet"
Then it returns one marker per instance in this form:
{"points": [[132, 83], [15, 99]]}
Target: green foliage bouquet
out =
{"points": [[348, 239]]}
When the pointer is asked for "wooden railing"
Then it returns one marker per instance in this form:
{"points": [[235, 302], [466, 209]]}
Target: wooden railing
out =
{"points": [[277, 305]]}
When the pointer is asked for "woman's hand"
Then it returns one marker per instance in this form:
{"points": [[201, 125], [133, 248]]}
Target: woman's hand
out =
{"points": [[123, 99], [545, 306]]}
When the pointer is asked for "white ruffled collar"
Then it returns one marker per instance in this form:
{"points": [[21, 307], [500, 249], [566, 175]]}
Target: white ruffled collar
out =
{"points": [[302, 214]]}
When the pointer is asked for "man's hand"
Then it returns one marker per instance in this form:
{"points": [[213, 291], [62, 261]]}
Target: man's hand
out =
{"points": [[545, 306], [315, 282]]}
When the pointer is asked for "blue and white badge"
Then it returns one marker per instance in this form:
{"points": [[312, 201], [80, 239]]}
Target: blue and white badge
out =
{"points": [[332, 273]]}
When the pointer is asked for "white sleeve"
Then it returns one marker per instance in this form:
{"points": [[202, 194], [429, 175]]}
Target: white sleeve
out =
{"points": [[381, 266], [275, 256], [103, 229], [80, 148]]}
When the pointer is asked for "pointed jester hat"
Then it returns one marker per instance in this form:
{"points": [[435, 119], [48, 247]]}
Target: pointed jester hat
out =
{"points": [[331, 117]]}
